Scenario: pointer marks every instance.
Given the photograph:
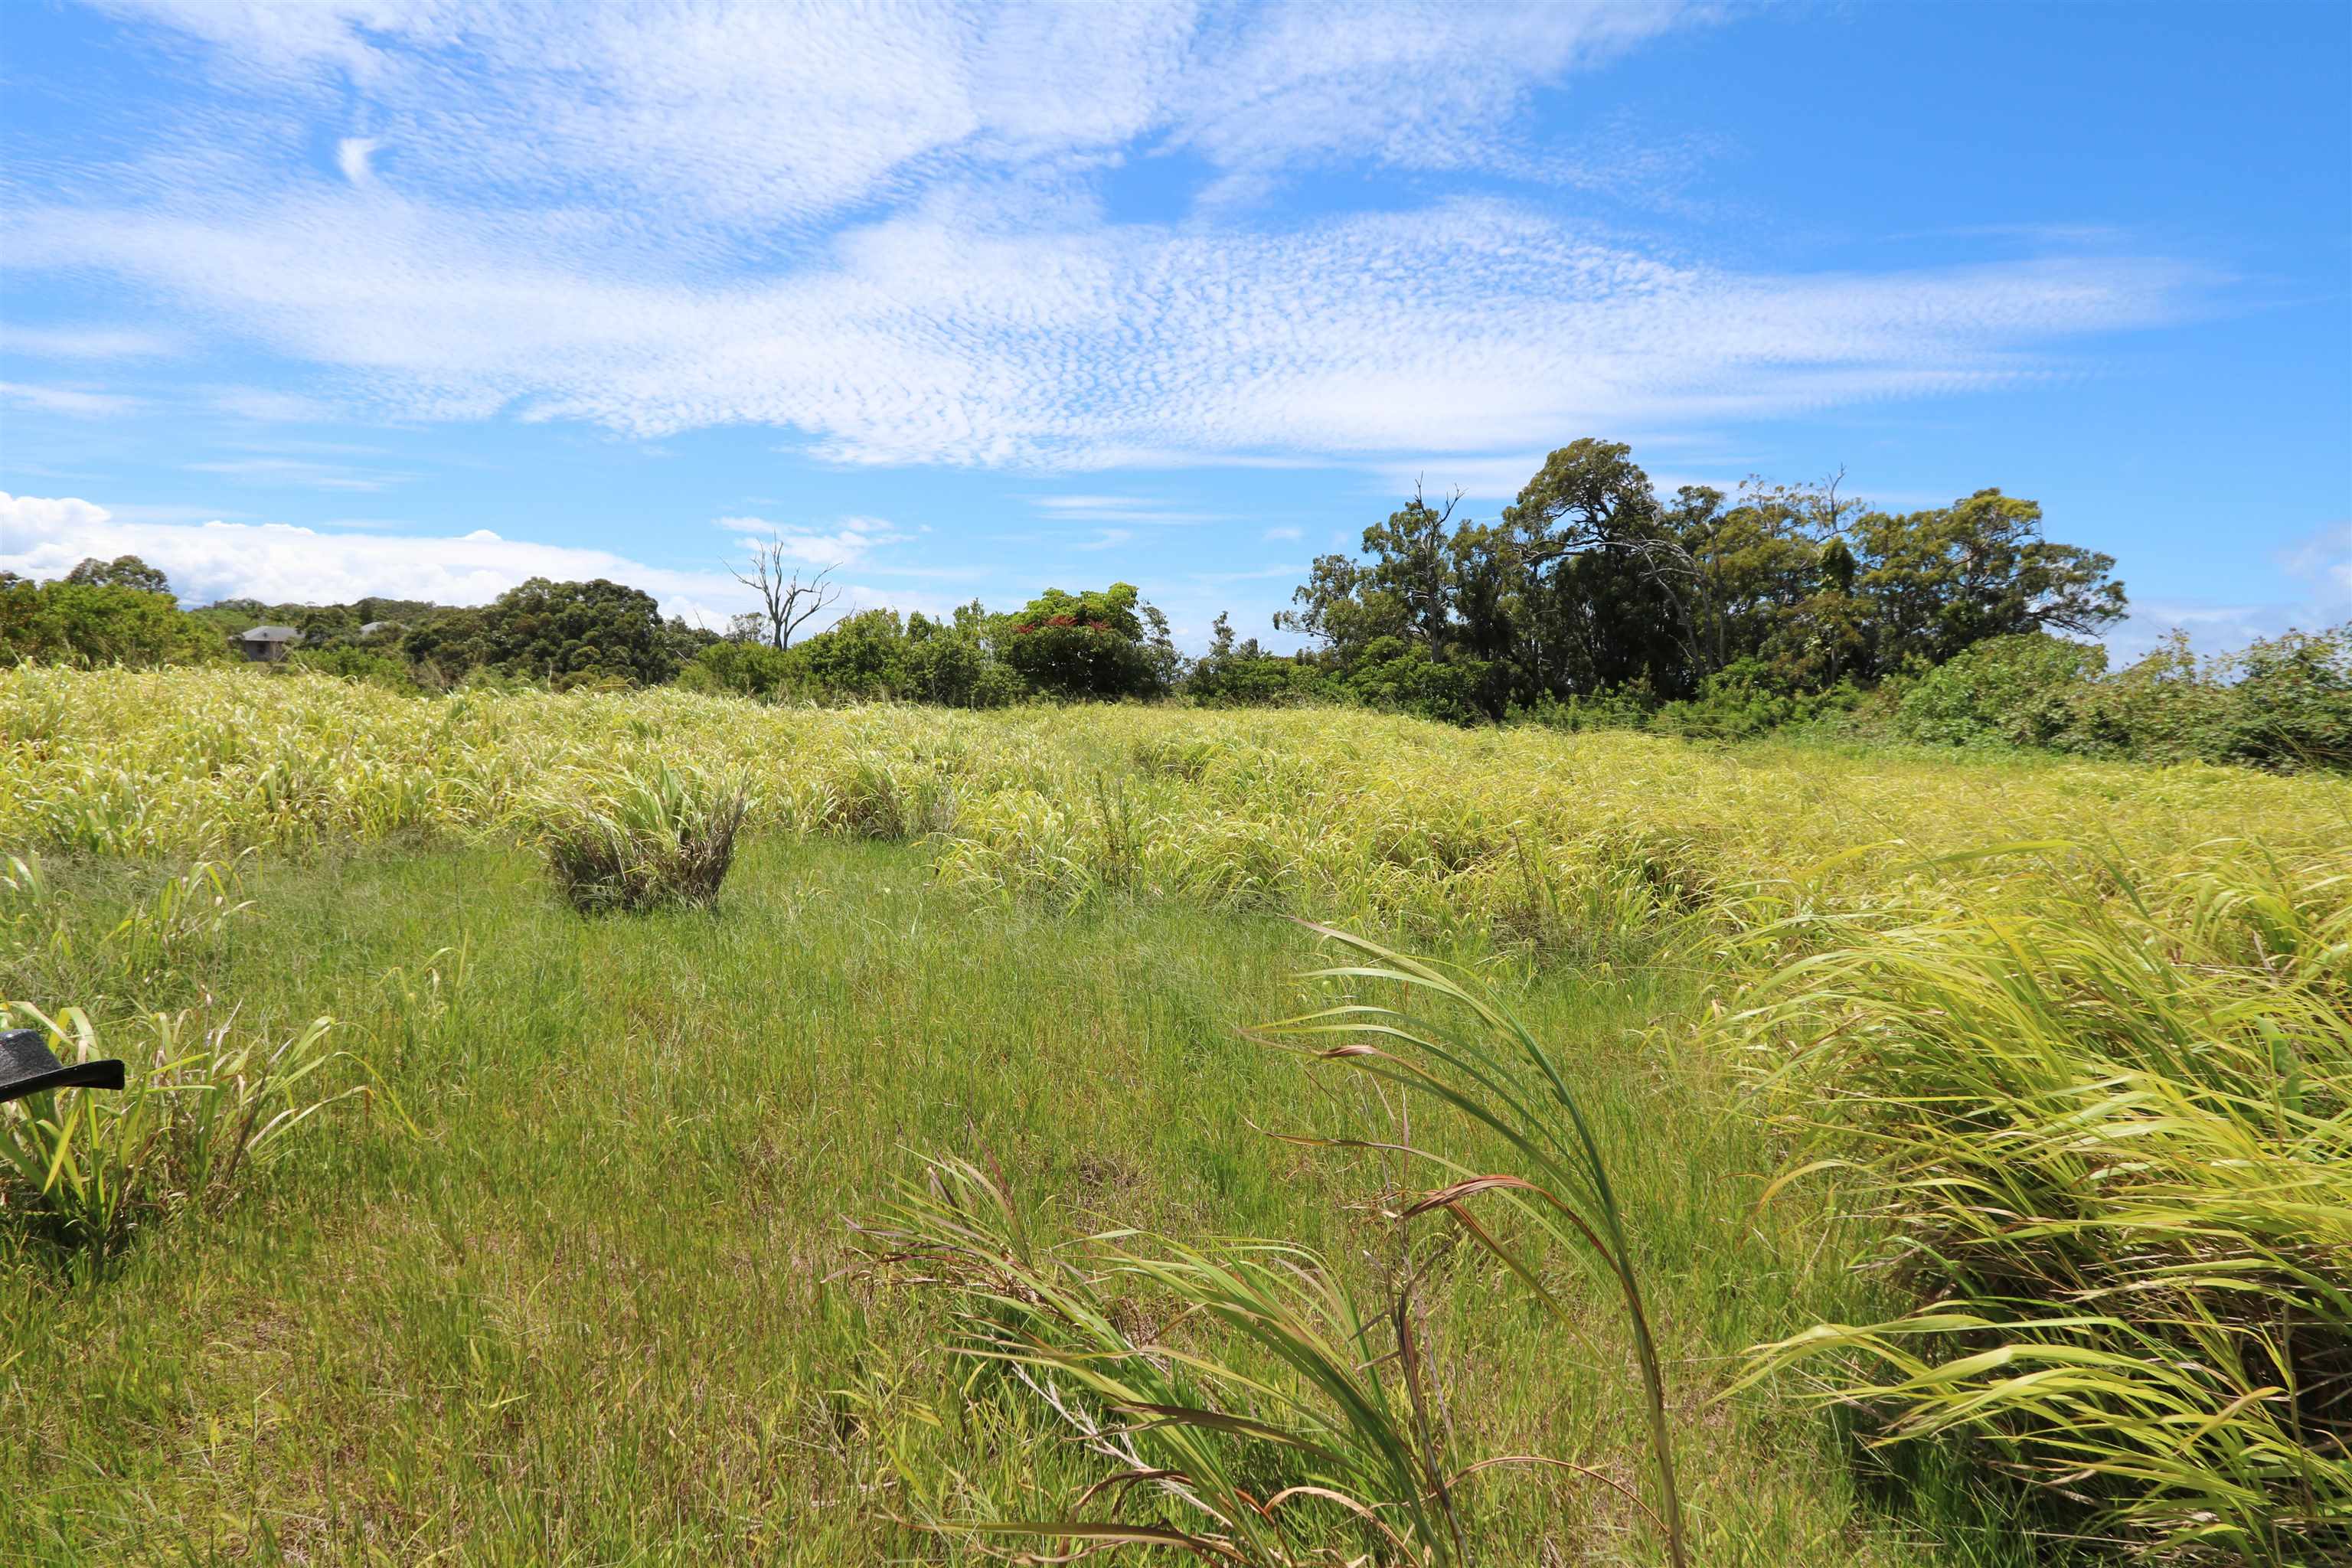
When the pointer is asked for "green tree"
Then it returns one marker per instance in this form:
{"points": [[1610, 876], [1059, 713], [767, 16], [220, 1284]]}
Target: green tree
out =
{"points": [[86, 623], [1937, 582], [573, 633], [1084, 644], [122, 572]]}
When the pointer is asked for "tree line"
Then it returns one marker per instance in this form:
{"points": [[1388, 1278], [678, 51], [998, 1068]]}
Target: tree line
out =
{"points": [[1591, 599], [1589, 585]]}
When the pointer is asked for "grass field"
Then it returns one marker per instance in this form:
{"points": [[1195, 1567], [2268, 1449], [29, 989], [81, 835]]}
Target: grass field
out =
{"points": [[574, 1281]]}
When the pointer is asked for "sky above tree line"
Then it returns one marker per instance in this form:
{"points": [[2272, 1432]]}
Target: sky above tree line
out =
{"points": [[418, 298]]}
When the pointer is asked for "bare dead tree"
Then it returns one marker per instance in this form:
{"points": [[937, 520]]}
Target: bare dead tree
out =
{"points": [[786, 602]]}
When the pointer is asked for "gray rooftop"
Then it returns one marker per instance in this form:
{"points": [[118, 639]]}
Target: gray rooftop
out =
{"points": [[272, 634]]}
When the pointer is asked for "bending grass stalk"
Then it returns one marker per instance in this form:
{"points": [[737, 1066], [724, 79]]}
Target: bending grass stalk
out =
{"points": [[1566, 1193], [2112, 1138], [1311, 1421]]}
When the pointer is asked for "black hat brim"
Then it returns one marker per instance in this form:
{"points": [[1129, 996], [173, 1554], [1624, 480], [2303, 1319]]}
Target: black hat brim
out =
{"points": [[107, 1073]]}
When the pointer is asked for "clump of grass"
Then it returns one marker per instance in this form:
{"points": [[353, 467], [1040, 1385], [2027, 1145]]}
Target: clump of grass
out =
{"points": [[1301, 1436], [655, 837], [81, 1171], [1497, 1077], [2110, 1132], [1312, 1406]]}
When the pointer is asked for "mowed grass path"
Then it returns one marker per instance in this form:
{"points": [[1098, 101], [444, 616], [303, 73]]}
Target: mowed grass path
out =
{"points": [[602, 1307]]}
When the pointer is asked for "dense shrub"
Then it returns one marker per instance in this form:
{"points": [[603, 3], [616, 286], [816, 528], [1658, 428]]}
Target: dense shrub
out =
{"points": [[1393, 674], [2010, 690], [98, 623], [2285, 701], [738, 669], [657, 836], [350, 662]]}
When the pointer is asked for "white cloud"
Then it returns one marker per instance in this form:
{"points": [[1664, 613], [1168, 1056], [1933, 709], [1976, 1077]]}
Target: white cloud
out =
{"points": [[847, 543], [920, 339], [762, 112], [280, 563], [979, 308], [1278, 535], [82, 343], [352, 155], [298, 471], [1118, 508], [68, 400], [1107, 539]]}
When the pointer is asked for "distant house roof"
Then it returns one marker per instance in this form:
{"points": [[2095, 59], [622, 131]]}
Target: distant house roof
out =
{"points": [[373, 628], [272, 634]]}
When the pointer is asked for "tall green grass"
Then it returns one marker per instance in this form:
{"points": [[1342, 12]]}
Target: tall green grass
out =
{"points": [[82, 1169], [1349, 1413], [658, 834], [2108, 1128], [1498, 1077]]}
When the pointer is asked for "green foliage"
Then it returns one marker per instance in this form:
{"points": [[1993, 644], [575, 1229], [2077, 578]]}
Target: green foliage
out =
{"points": [[655, 837], [1744, 702], [1590, 584], [122, 572], [1083, 645], [1495, 1077], [82, 1170], [740, 669], [1405, 678], [2285, 701], [350, 662], [2008, 690], [100, 621], [1271, 1466], [577, 634], [869, 656], [2111, 1129]]}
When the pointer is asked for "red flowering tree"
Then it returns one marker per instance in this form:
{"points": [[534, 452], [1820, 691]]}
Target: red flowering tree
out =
{"points": [[1083, 645]]}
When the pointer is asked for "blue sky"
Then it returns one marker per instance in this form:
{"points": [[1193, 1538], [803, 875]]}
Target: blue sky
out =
{"points": [[420, 298]]}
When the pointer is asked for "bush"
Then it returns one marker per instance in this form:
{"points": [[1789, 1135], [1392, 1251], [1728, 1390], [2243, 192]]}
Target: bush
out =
{"points": [[83, 1170], [347, 662], [738, 669], [2012, 691], [1745, 701], [1403, 676], [661, 837], [2282, 702], [87, 623]]}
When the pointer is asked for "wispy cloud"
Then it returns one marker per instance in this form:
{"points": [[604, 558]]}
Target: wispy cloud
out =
{"points": [[846, 544], [915, 265], [299, 472], [77, 402], [352, 155], [1118, 508], [83, 343], [1292, 574]]}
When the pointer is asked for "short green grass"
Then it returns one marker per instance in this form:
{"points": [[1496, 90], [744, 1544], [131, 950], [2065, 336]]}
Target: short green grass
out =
{"points": [[602, 1307]]}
